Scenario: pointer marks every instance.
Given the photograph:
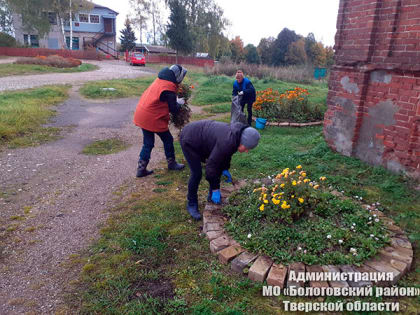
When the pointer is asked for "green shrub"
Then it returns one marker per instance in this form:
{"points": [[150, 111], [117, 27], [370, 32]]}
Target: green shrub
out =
{"points": [[6, 40]]}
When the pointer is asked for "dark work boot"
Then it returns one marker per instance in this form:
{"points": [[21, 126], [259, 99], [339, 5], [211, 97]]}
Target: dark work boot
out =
{"points": [[173, 165], [141, 169], [192, 208]]}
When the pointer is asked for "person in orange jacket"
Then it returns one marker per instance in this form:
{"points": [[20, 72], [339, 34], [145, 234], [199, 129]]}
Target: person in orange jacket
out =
{"points": [[152, 116]]}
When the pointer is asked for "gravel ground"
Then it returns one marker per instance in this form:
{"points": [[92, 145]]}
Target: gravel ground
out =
{"points": [[107, 70], [68, 194]]}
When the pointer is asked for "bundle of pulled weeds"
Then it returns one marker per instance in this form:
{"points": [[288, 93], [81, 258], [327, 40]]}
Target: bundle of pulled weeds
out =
{"points": [[184, 114]]}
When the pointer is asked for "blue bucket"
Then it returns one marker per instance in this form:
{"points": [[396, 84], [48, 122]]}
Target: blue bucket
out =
{"points": [[260, 123]]}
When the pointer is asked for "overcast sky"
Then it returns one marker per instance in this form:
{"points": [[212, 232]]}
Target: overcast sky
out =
{"points": [[256, 19]]}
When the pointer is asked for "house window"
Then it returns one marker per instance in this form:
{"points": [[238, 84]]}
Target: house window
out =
{"points": [[84, 18], [34, 41], [30, 40], [75, 42], [94, 19], [52, 18]]}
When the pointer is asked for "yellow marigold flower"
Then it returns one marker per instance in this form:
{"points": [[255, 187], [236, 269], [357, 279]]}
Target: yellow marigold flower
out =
{"points": [[322, 178], [286, 175], [262, 207], [299, 166], [299, 182], [275, 201], [294, 183], [306, 180], [303, 174], [282, 185], [301, 200], [265, 196], [316, 186], [286, 170], [279, 176], [282, 193], [293, 196], [265, 201], [284, 205], [310, 184]]}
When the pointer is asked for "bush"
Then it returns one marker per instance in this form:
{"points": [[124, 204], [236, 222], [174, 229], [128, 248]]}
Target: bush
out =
{"points": [[52, 61], [296, 218], [298, 74], [6, 40], [291, 106]]}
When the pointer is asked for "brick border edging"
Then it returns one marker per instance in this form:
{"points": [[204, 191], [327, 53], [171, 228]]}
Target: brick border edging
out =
{"points": [[395, 259], [290, 124]]}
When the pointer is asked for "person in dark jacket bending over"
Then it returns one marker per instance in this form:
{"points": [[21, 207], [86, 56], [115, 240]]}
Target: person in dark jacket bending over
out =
{"points": [[214, 143], [152, 116], [243, 87]]}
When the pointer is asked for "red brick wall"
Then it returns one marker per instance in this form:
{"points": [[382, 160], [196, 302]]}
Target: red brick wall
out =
{"points": [[33, 52], [374, 88]]}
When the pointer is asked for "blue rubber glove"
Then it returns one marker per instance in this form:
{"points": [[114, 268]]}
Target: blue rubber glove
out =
{"points": [[216, 197], [227, 174]]}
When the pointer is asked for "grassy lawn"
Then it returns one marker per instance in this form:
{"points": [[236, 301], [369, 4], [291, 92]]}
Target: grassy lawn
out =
{"points": [[22, 114], [151, 258], [9, 69], [107, 146], [123, 88]]}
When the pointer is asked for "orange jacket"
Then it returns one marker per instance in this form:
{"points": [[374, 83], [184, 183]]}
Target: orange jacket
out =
{"points": [[151, 113]]}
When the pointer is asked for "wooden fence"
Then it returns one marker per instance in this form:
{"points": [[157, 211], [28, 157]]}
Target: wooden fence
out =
{"points": [[91, 54], [200, 62]]}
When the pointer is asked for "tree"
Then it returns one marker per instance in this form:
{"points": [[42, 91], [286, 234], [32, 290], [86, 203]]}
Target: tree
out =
{"points": [[265, 50], [206, 22], [310, 42], [281, 44], [5, 17], [127, 38], [296, 54], [237, 49], [178, 33], [329, 52], [32, 15], [156, 20], [140, 17], [251, 54], [320, 56]]}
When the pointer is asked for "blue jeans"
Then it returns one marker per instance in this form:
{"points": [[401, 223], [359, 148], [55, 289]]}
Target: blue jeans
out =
{"points": [[149, 143]]}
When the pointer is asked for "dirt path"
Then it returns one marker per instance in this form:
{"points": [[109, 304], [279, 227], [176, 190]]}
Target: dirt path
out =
{"points": [[113, 69], [60, 196]]}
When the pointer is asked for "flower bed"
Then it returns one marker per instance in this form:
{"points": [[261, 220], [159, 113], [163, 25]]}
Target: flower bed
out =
{"points": [[298, 219], [290, 106], [52, 61]]}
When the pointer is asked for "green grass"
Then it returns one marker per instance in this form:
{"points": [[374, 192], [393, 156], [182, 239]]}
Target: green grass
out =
{"points": [[150, 258], [218, 109], [103, 147], [123, 88], [19, 69], [22, 114], [214, 90]]}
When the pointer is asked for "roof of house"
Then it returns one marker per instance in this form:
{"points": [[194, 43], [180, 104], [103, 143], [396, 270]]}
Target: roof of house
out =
{"points": [[102, 7], [156, 49]]}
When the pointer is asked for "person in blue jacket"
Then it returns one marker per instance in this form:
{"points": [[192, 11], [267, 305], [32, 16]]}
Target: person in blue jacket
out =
{"points": [[243, 87]]}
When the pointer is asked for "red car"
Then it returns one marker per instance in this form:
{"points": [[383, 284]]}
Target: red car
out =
{"points": [[137, 59]]}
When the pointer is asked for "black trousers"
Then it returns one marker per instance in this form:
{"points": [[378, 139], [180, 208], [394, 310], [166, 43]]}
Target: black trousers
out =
{"points": [[194, 163], [249, 109]]}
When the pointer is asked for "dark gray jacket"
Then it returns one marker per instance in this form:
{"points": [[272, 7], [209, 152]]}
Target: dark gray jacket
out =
{"points": [[215, 143]]}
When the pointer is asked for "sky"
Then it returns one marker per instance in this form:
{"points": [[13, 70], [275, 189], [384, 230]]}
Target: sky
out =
{"points": [[256, 19]]}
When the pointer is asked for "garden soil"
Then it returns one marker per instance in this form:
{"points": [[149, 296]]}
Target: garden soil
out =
{"points": [[53, 200]]}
